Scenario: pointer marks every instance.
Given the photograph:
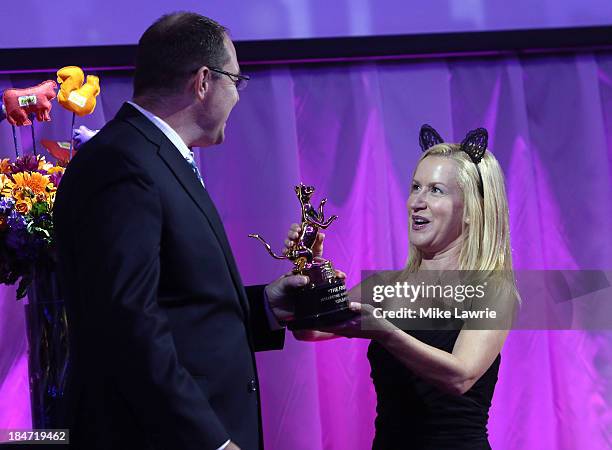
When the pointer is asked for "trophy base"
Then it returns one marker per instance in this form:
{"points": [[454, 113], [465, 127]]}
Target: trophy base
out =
{"points": [[321, 305], [322, 320]]}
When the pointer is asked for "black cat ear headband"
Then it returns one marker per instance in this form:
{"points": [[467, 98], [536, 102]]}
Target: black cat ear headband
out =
{"points": [[474, 144]]}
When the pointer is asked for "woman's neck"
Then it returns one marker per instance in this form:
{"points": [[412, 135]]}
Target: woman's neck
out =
{"points": [[447, 259]]}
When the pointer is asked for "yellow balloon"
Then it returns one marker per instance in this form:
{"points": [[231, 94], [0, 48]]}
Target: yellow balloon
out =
{"points": [[75, 96]]}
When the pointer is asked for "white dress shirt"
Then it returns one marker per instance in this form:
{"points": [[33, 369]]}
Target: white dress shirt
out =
{"points": [[166, 129]]}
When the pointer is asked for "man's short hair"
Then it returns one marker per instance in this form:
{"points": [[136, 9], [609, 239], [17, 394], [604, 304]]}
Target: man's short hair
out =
{"points": [[174, 48]]}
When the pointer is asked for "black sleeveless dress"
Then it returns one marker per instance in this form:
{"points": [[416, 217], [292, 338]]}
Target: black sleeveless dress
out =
{"points": [[413, 414]]}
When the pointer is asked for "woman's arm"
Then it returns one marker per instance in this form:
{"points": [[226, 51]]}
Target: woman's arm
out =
{"points": [[473, 353], [456, 372], [313, 335]]}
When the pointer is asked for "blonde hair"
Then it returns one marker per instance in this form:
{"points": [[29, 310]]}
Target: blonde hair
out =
{"points": [[486, 228]]}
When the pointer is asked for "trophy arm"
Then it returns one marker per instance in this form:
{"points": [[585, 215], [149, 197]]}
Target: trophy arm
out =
{"points": [[262, 240], [329, 221], [325, 224], [321, 205]]}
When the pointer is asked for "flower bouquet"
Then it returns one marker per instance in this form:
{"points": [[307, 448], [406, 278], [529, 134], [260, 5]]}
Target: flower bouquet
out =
{"points": [[27, 192], [27, 255]]}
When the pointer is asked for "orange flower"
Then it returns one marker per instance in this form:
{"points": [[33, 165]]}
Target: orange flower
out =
{"points": [[18, 193], [5, 166], [7, 188], [33, 180], [3, 180], [23, 206]]}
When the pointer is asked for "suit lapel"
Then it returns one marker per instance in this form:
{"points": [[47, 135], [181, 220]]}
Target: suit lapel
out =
{"points": [[189, 181]]}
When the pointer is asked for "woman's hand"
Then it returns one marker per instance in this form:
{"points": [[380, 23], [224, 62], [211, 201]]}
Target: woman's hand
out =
{"points": [[313, 335], [317, 249], [294, 233], [363, 325]]}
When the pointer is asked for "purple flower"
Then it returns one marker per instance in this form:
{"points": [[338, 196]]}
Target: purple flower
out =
{"points": [[6, 205], [27, 163], [81, 135], [16, 221], [55, 178]]}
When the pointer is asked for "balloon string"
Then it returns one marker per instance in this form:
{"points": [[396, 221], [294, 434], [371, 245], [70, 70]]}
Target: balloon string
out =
{"points": [[15, 141], [33, 140]]}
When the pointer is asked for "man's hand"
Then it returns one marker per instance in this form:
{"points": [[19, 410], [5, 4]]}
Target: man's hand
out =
{"points": [[231, 446], [279, 295]]}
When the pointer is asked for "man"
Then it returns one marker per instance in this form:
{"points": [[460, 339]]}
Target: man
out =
{"points": [[162, 329]]}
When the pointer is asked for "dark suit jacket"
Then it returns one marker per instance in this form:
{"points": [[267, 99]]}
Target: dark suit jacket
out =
{"points": [[162, 330]]}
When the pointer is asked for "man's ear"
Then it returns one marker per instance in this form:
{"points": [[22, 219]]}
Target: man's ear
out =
{"points": [[201, 83]]}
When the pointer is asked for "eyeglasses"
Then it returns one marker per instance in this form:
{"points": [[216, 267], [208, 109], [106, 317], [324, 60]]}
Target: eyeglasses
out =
{"points": [[240, 81]]}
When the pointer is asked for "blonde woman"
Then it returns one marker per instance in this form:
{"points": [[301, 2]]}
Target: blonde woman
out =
{"points": [[434, 387]]}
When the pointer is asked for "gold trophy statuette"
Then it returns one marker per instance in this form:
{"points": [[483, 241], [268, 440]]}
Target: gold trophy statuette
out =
{"points": [[323, 301]]}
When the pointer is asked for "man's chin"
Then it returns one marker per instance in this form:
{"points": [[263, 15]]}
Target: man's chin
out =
{"points": [[219, 136], [207, 142]]}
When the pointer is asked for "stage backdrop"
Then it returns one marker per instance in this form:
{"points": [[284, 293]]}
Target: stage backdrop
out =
{"points": [[351, 130], [117, 22]]}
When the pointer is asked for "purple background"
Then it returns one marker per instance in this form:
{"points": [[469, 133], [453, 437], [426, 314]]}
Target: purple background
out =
{"points": [[351, 130], [87, 22]]}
